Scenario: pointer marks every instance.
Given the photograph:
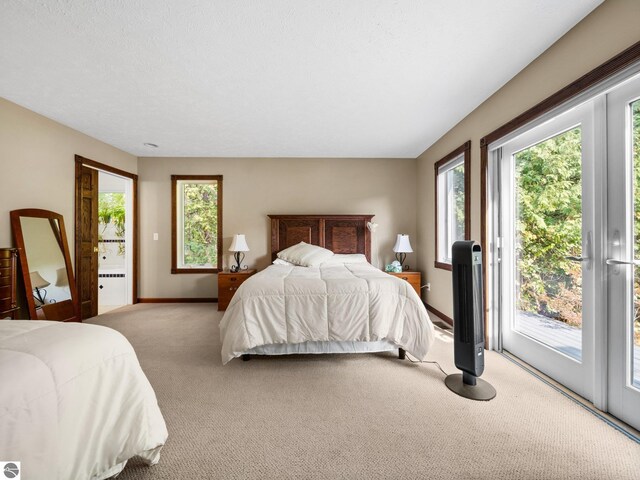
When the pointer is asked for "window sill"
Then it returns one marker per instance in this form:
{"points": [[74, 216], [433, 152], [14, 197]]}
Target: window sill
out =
{"points": [[443, 266], [195, 270]]}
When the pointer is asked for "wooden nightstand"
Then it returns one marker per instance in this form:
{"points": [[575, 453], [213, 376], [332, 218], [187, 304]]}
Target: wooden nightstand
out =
{"points": [[414, 278], [228, 283]]}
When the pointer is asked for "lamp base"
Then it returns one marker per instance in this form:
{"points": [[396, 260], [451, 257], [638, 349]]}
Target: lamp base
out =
{"points": [[401, 258], [39, 295], [480, 391], [239, 257]]}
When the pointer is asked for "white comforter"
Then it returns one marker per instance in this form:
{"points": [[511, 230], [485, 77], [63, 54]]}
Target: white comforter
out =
{"points": [[74, 402], [344, 302]]}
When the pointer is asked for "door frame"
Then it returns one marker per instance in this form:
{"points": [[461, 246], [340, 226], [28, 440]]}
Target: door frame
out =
{"points": [[617, 66], [81, 161], [583, 376], [599, 96], [623, 397], [610, 72]]}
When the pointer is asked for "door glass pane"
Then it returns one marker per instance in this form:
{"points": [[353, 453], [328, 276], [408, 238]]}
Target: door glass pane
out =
{"points": [[548, 188], [635, 110]]}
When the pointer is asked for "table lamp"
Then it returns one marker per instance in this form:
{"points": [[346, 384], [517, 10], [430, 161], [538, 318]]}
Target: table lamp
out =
{"points": [[238, 246], [38, 284], [402, 247]]}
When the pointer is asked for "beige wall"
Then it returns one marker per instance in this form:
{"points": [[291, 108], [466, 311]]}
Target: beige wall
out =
{"points": [[607, 31], [37, 165], [256, 187], [37, 169]]}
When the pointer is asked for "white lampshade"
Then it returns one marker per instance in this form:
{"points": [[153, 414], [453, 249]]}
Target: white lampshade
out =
{"points": [[402, 244], [62, 280], [37, 281], [239, 244]]}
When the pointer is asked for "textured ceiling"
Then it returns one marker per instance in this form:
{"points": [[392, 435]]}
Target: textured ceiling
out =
{"points": [[280, 78]]}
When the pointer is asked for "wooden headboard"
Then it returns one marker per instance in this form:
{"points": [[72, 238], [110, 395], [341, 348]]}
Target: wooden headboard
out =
{"points": [[338, 233]]}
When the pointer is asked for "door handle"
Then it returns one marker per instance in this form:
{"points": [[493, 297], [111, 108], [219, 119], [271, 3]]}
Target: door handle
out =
{"points": [[95, 250], [611, 261], [577, 259], [587, 250]]}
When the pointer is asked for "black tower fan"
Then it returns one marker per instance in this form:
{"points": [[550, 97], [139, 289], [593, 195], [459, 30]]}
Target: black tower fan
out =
{"points": [[468, 323]]}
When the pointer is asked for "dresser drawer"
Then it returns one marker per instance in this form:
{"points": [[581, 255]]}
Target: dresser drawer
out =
{"points": [[7, 298], [8, 264], [224, 297], [231, 280], [228, 283], [225, 294], [7, 253], [7, 304], [6, 292], [414, 278]]}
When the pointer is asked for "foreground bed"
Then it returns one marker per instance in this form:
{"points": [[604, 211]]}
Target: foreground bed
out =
{"points": [[74, 402]]}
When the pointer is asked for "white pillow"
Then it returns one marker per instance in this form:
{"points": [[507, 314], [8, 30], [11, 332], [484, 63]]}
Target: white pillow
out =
{"points": [[305, 255], [346, 258], [279, 261]]}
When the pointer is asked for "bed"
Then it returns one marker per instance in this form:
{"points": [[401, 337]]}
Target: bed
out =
{"points": [[343, 305], [74, 402]]}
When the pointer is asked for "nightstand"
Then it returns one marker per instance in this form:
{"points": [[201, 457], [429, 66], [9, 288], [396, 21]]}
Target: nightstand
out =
{"points": [[228, 283], [414, 278]]}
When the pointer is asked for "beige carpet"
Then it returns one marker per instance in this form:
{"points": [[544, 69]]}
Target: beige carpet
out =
{"points": [[352, 416]]}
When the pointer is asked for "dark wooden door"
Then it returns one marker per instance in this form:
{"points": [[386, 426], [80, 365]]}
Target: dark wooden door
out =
{"points": [[87, 240]]}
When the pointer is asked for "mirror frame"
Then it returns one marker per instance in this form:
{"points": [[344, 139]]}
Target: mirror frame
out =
{"points": [[60, 309]]}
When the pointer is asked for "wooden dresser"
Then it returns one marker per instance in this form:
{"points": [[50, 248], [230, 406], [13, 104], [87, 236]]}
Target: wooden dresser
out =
{"points": [[228, 283], [8, 275], [414, 278]]}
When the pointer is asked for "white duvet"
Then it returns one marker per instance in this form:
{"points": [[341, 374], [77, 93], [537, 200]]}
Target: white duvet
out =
{"points": [[74, 402], [332, 302]]}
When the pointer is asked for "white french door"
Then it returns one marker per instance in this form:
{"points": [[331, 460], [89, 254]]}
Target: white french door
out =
{"points": [[547, 247], [623, 212], [566, 238]]}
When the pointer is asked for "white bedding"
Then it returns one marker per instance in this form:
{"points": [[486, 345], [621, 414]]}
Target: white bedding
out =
{"points": [[323, 347], [74, 402], [332, 302]]}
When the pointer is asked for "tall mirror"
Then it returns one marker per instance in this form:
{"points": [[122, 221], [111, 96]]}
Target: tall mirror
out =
{"points": [[41, 240]]}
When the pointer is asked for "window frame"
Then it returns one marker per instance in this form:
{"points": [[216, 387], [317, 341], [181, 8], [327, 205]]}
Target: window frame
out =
{"points": [[174, 223], [463, 150]]}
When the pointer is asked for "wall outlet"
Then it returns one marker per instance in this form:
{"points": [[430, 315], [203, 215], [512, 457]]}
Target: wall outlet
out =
{"points": [[428, 285], [155, 236]]}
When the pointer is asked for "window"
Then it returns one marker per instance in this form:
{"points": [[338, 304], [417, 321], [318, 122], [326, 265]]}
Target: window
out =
{"points": [[452, 202], [196, 223]]}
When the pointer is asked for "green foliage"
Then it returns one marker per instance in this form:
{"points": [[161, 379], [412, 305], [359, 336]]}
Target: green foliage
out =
{"points": [[111, 209], [549, 227], [453, 207], [458, 195], [200, 201]]}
